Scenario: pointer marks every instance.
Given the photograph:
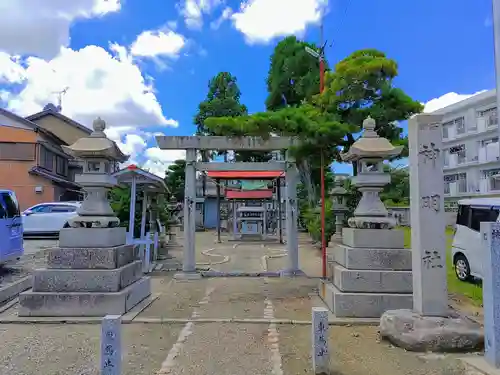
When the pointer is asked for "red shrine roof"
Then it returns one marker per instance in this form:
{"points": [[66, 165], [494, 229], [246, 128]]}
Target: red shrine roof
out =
{"points": [[249, 194], [235, 175]]}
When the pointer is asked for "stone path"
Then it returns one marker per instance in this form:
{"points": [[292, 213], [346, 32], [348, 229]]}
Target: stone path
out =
{"points": [[216, 345]]}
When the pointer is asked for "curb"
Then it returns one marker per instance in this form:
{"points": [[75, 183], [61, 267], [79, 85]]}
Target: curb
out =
{"points": [[12, 290]]}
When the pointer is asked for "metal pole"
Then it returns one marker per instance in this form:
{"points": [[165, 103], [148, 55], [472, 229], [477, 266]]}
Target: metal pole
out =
{"points": [[131, 220], [496, 41], [323, 199], [217, 182], [278, 196]]}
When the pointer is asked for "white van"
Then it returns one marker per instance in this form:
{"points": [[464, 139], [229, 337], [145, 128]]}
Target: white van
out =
{"points": [[466, 248]]}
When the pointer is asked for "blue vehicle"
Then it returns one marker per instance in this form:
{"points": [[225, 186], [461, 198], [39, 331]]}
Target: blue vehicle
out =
{"points": [[11, 228]]}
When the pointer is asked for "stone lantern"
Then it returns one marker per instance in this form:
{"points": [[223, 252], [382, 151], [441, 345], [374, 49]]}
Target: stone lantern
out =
{"points": [[93, 272], [370, 268], [339, 206], [99, 154], [369, 153]]}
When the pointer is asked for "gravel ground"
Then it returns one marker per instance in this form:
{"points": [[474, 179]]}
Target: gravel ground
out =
{"points": [[292, 297], [355, 351], [74, 349], [34, 257], [225, 349]]}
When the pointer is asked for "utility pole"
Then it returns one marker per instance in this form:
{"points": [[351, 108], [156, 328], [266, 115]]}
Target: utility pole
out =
{"points": [[496, 40], [320, 55], [323, 213]]}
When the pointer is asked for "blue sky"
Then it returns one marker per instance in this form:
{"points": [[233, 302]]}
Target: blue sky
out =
{"points": [[143, 66]]}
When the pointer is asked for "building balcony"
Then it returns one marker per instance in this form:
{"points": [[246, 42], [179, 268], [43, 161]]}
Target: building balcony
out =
{"points": [[489, 153], [484, 125]]}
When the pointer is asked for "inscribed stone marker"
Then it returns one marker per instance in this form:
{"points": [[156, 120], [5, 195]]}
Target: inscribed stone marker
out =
{"points": [[428, 238], [111, 351], [319, 339], [490, 233]]}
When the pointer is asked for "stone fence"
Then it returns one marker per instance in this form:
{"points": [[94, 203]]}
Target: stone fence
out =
{"points": [[402, 216]]}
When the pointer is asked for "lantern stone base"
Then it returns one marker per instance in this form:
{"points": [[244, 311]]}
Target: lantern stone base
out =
{"points": [[363, 305], [87, 281], [377, 238], [84, 303], [92, 237], [371, 277]]}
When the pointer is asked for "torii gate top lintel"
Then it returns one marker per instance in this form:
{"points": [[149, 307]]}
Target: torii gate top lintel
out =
{"points": [[225, 143]]}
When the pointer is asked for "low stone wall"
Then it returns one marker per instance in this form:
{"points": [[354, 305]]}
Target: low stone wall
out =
{"points": [[403, 217]]}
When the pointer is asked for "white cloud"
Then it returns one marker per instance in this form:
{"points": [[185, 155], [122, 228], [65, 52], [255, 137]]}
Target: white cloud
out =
{"points": [[10, 69], [446, 100], [225, 15], [41, 28], [193, 10], [158, 43], [157, 160], [99, 83], [264, 20]]}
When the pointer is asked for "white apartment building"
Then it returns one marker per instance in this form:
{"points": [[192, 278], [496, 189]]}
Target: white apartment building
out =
{"points": [[471, 148]]}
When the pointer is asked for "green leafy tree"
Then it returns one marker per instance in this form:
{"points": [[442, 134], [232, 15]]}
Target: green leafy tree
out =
{"points": [[293, 75], [175, 178], [397, 192], [362, 85], [223, 100]]}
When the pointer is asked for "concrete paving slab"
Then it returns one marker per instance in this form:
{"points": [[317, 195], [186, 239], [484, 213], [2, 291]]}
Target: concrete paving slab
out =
{"points": [[235, 298], [177, 301]]}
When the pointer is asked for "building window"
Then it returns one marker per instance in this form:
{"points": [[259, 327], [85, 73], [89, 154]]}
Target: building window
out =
{"points": [[486, 142], [488, 174], [490, 115], [460, 151], [61, 166], [446, 187], [46, 159], [462, 182], [17, 151], [460, 124], [446, 158], [459, 178], [445, 130]]}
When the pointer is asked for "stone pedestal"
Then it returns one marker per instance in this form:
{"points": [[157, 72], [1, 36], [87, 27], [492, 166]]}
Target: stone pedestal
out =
{"points": [[87, 281], [370, 273]]}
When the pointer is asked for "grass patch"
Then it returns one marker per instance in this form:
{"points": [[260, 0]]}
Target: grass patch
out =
{"points": [[472, 291]]}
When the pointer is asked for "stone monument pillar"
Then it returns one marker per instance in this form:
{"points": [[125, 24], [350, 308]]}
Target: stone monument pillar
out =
{"points": [[189, 256], [292, 243], [371, 269], [92, 272], [430, 325]]}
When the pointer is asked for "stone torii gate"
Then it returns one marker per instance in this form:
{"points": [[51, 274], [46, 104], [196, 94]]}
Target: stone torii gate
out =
{"points": [[194, 143]]}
